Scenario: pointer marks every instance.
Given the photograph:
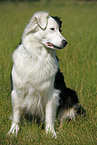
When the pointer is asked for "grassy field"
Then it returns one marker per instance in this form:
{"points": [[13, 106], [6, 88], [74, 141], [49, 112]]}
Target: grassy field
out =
{"points": [[78, 62]]}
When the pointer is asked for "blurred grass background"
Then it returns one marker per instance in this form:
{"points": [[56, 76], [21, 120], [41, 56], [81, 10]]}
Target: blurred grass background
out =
{"points": [[78, 62]]}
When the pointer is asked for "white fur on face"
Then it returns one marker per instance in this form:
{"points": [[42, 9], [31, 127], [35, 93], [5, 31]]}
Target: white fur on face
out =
{"points": [[53, 36], [48, 37]]}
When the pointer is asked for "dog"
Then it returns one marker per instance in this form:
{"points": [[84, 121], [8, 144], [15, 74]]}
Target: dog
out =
{"points": [[38, 84]]}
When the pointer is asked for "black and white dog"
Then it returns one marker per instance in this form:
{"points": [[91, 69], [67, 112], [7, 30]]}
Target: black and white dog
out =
{"points": [[38, 84]]}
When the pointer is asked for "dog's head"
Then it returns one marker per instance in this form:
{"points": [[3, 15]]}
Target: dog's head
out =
{"points": [[46, 30]]}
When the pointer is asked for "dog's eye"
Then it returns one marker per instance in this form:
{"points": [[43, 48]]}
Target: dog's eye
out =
{"points": [[52, 29]]}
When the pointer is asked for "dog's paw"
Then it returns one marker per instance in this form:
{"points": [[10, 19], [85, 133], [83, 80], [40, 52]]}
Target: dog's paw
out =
{"points": [[50, 129], [13, 130]]}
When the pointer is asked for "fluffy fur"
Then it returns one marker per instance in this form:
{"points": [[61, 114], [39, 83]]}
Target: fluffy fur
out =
{"points": [[38, 84]]}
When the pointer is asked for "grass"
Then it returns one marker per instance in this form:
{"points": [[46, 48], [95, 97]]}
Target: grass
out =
{"points": [[78, 62]]}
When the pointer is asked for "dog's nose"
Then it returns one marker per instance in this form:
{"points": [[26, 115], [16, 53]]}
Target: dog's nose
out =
{"points": [[64, 42]]}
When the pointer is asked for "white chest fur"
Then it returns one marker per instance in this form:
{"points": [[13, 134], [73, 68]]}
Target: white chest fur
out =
{"points": [[33, 76], [36, 69]]}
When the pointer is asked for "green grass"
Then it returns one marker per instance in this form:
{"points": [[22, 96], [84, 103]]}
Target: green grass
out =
{"points": [[78, 62]]}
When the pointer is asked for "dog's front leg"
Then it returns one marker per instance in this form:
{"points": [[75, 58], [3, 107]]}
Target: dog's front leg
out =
{"points": [[51, 108], [16, 114]]}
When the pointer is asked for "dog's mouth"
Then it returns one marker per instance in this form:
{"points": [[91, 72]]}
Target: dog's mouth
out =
{"points": [[52, 46]]}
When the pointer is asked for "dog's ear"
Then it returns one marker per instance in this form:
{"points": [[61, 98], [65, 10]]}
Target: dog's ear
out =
{"points": [[41, 19]]}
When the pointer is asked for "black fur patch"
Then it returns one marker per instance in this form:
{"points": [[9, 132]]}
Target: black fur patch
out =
{"points": [[68, 97], [57, 19], [11, 81]]}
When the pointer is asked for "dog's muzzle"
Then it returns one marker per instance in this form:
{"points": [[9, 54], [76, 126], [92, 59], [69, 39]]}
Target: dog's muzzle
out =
{"points": [[52, 46]]}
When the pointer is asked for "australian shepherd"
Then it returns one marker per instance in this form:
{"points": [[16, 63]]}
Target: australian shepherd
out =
{"points": [[38, 84]]}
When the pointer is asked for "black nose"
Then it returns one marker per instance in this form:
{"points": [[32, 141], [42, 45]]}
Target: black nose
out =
{"points": [[64, 42]]}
